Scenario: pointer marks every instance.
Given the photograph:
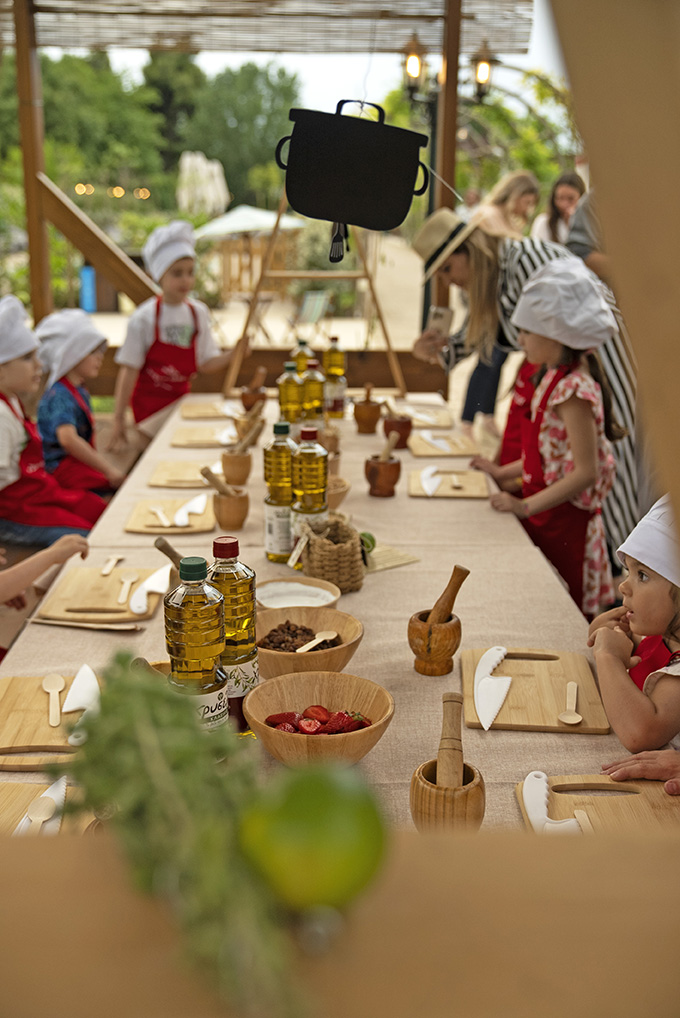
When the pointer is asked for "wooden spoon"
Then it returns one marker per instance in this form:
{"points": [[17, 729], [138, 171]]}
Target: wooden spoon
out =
{"points": [[110, 564], [126, 582], [444, 605], [450, 754], [569, 716], [159, 513], [325, 634], [53, 685], [39, 810]]}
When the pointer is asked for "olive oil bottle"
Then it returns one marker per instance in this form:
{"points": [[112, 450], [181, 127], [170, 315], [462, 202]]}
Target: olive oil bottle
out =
{"points": [[333, 358], [312, 395], [194, 640], [310, 480], [290, 394], [301, 354], [278, 475]]}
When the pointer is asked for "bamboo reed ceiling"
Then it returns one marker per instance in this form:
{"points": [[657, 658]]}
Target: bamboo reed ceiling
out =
{"points": [[271, 26]]}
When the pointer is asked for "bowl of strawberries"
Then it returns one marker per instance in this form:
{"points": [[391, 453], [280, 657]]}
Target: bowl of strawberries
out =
{"points": [[317, 716]]}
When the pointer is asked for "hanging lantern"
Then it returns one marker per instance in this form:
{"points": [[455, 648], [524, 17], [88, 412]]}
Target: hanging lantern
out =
{"points": [[483, 62], [415, 66]]}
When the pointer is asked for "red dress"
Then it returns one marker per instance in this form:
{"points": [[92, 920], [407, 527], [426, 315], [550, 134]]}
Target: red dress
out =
{"points": [[523, 390], [72, 472], [655, 655], [166, 372], [37, 499]]}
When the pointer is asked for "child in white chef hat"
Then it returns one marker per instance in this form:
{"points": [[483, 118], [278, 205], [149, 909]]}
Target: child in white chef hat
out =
{"points": [[637, 645], [72, 349], [168, 338]]}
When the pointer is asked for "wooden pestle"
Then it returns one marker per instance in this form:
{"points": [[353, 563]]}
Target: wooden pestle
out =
{"points": [[450, 753], [167, 549], [250, 437], [386, 454], [141, 662], [257, 381], [255, 410], [219, 485], [368, 389], [444, 604]]}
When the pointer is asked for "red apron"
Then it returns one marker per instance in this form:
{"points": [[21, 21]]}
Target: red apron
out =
{"points": [[522, 393], [165, 374], [37, 499], [72, 472], [560, 533], [655, 655]]}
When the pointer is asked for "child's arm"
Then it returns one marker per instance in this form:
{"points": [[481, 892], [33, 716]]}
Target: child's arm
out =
{"points": [[507, 472], [13, 581], [75, 446], [641, 721], [126, 380]]}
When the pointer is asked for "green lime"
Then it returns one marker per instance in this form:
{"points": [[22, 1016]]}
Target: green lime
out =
{"points": [[367, 541], [315, 835]]}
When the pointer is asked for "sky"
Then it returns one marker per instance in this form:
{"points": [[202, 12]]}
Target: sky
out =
{"points": [[327, 78]]}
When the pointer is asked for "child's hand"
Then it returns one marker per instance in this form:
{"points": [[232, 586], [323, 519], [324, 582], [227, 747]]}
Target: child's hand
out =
{"points": [[3, 557], [118, 440], [504, 502], [615, 618], [70, 544], [615, 642], [115, 477], [656, 765], [488, 466]]}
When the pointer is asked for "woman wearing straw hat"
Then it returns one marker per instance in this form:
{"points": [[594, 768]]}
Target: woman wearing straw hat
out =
{"points": [[493, 271]]}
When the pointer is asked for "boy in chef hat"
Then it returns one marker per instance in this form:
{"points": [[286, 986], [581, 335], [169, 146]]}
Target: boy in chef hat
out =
{"points": [[168, 338], [640, 640], [34, 507], [72, 350]]}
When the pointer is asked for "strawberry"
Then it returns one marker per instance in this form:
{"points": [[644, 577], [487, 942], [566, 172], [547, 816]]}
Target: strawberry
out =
{"points": [[288, 717], [309, 726], [286, 727], [317, 712], [335, 724]]}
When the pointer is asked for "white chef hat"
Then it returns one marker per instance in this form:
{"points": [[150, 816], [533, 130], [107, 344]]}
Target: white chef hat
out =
{"points": [[166, 245], [564, 301], [654, 542], [16, 339], [66, 337]]}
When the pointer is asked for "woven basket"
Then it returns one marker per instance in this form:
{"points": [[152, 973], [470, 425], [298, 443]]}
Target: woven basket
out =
{"points": [[335, 554]]}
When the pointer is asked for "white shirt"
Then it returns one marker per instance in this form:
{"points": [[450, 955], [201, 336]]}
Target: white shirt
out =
{"points": [[650, 682], [13, 440], [540, 230], [176, 327]]}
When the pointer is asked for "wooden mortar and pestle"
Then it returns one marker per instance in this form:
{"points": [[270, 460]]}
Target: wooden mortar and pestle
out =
{"points": [[167, 549], [383, 471], [255, 392], [244, 424], [367, 413], [230, 504], [447, 793], [434, 636], [237, 461]]}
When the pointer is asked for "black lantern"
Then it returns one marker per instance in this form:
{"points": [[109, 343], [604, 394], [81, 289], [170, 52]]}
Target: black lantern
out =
{"points": [[483, 62]]}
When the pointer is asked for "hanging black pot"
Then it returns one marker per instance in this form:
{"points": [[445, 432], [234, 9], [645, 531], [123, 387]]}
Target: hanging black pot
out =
{"points": [[347, 170]]}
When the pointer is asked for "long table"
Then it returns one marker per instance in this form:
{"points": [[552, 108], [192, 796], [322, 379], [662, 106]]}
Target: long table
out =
{"points": [[512, 597]]}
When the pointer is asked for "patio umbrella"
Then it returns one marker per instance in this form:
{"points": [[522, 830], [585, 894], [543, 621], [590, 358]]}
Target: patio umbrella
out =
{"points": [[246, 219]]}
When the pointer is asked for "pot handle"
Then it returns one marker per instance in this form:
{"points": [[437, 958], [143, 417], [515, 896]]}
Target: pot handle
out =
{"points": [[423, 188], [277, 153], [381, 112]]}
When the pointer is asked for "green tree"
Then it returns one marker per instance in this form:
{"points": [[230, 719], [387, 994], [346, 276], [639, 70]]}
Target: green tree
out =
{"points": [[175, 80], [239, 117]]}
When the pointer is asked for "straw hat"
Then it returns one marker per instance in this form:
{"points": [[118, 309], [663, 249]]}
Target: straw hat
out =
{"points": [[654, 542], [439, 236]]}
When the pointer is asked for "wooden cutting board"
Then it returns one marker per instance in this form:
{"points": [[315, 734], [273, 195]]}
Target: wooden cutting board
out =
{"points": [[217, 436], [473, 485], [15, 797], [24, 725], [423, 415], [538, 692], [172, 474], [459, 445], [85, 586], [204, 411], [611, 806], [143, 521]]}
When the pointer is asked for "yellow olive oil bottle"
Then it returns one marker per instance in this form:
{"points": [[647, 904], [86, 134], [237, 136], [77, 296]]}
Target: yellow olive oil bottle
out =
{"points": [[278, 475]]}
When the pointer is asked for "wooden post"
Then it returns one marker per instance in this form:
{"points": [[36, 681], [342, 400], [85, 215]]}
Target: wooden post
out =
{"points": [[31, 127], [395, 367], [447, 122]]}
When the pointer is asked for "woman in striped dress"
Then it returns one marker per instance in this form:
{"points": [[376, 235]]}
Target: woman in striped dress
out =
{"points": [[493, 271]]}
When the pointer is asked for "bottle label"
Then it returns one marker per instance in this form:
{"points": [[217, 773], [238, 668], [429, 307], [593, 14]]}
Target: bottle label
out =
{"points": [[212, 708], [242, 677], [278, 538]]}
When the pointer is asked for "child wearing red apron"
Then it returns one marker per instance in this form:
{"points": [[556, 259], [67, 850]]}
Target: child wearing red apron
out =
{"points": [[640, 640], [168, 338], [567, 465], [73, 350], [34, 508]]}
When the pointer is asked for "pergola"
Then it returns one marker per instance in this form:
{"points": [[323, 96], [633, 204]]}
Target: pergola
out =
{"points": [[449, 27]]}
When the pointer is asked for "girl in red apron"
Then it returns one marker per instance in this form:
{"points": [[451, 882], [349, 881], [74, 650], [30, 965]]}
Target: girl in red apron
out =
{"points": [[34, 508], [637, 645], [168, 338], [73, 350], [567, 465]]}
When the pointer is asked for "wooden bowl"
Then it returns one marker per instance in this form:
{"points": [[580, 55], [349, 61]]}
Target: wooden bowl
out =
{"points": [[333, 690], [283, 662], [336, 490], [306, 587], [236, 466], [231, 510]]}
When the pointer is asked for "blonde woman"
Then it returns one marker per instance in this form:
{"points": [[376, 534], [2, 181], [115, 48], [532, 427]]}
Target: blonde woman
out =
{"points": [[509, 205]]}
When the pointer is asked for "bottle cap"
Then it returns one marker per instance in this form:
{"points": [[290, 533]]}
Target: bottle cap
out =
{"points": [[312, 363], [290, 365], [281, 428], [308, 434], [225, 547], [193, 567]]}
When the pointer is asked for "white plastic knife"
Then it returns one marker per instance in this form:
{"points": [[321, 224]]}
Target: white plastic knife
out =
{"points": [[428, 481], [226, 436], [194, 506], [83, 695], [57, 792], [490, 690], [535, 797], [437, 443], [157, 583]]}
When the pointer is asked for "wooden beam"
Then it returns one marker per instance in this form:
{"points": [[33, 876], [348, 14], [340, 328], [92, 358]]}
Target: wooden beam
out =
{"points": [[447, 122], [31, 128], [391, 356], [99, 250]]}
